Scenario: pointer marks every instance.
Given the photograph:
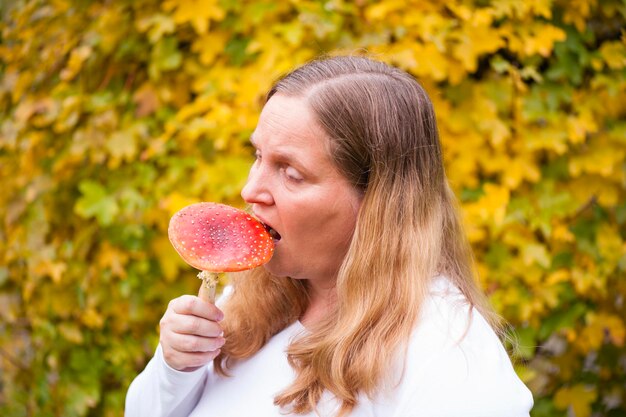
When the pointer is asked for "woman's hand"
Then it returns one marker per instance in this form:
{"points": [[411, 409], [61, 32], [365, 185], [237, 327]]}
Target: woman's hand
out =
{"points": [[191, 336]]}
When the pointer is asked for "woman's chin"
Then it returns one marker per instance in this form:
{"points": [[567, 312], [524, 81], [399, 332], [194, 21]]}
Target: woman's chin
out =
{"points": [[274, 269]]}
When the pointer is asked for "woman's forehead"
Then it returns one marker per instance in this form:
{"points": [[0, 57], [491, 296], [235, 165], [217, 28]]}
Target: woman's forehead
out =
{"points": [[288, 122]]}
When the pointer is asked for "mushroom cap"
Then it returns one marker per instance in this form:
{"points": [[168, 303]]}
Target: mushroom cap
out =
{"points": [[218, 238]]}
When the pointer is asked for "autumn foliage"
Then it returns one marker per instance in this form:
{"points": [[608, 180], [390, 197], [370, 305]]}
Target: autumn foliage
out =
{"points": [[115, 114]]}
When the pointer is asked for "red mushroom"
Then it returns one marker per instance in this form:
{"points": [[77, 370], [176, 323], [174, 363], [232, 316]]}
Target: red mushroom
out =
{"points": [[216, 238]]}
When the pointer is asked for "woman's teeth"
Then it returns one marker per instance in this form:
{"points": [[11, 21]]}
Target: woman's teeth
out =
{"points": [[273, 233]]}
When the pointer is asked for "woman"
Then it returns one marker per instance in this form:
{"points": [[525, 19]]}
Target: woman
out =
{"points": [[369, 306]]}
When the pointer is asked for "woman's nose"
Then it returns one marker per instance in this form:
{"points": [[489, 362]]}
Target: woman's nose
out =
{"points": [[257, 190]]}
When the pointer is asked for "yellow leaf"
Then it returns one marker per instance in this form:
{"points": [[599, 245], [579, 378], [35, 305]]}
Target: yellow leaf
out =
{"points": [[71, 332], [147, 100], [578, 398], [476, 38], [464, 150], [509, 8], [609, 324], [491, 207], [293, 32], [475, 233], [197, 12], [610, 244], [75, 63], [577, 12], [521, 9], [558, 276], [561, 233], [540, 7], [498, 130], [538, 253], [157, 26], [30, 107], [586, 186], [196, 128], [591, 338], [579, 126], [380, 10], [68, 115], [112, 258], [199, 106], [542, 39], [168, 259], [601, 328], [121, 146], [587, 280], [250, 89], [430, 26], [92, 319], [554, 139], [602, 161], [107, 25], [430, 61], [519, 169], [460, 10], [548, 295], [209, 46], [535, 38], [177, 201], [54, 270], [614, 54]]}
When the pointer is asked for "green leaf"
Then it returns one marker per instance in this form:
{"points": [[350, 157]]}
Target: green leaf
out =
{"points": [[526, 342], [165, 57], [236, 50], [562, 320], [95, 202], [4, 275]]}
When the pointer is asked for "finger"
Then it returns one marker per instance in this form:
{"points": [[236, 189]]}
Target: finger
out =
{"points": [[201, 358], [189, 304], [193, 325], [189, 343], [189, 361]]}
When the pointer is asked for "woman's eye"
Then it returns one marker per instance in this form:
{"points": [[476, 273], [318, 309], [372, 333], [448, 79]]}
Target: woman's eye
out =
{"points": [[257, 158], [292, 174]]}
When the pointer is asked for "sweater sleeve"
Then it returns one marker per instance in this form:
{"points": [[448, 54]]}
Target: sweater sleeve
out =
{"points": [[161, 391]]}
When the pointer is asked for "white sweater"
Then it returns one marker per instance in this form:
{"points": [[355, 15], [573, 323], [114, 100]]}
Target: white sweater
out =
{"points": [[452, 370]]}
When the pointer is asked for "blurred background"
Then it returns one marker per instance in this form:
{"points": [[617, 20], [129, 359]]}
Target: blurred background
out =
{"points": [[115, 114]]}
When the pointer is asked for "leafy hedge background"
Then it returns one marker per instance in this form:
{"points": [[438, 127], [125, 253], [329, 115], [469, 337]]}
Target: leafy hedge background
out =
{"points": [[115, 114]]}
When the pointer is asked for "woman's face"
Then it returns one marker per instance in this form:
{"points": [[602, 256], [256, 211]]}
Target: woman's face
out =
{"points": [[295, 189]]}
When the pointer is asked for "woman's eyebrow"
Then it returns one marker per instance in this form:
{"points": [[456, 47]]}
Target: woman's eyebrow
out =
{"points": [[285, 155], [282, 153]]}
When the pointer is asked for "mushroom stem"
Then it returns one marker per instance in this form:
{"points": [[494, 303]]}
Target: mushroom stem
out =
{"points": [[209, 284]]}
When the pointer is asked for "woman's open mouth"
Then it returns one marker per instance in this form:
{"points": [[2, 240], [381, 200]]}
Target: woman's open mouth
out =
{"points": [[273, 233]]}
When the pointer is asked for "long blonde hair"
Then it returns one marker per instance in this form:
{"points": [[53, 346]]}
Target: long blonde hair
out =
{"points": [[384, 139]]}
